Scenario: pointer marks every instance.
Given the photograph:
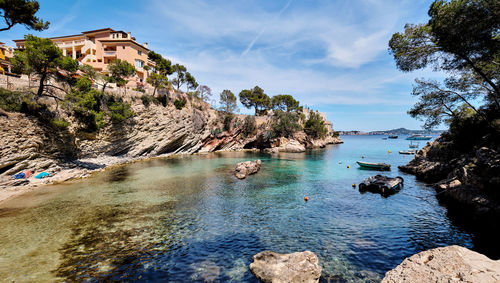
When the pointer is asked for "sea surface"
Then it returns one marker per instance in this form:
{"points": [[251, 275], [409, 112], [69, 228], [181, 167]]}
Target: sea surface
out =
{"points": [[189, 219]]}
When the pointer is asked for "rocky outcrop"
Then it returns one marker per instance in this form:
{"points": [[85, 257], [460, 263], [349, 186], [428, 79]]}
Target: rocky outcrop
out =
{"points": [[272, 267], [468, 181], [246, 168], [447, 264]]}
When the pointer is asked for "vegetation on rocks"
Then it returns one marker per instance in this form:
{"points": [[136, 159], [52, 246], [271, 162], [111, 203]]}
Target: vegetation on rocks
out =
{"points": [[179, 103], [315, 126]]}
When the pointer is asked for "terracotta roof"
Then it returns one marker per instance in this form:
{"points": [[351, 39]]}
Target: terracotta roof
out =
{"points": [[98, 30]]}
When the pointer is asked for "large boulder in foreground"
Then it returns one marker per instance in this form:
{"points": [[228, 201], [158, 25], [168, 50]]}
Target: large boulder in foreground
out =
{"points": [[272, 267], [246, 168], [447, 264]]}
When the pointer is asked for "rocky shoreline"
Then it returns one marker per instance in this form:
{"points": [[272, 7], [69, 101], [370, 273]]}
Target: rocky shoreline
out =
{"points": [[467, 181], [155, 131]]}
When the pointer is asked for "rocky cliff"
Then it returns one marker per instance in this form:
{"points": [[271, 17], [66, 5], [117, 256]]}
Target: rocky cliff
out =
{"points": [[468, 180], [155, 130]]}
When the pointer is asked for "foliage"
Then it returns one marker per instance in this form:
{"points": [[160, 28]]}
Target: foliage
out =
{"points": [[180, 80], [249, 126], [118, 70], [228, 101], [146, 100], [315, 126], [191, 83], [285, 124], [462, 37], [255, 98], [162, 99], [179, 103], [119, 111], [162, 66], [41, 57], [284, 102], [84, 103], [11, 100], [21, 12], [59, 123], [228, 118], [158, 81]]}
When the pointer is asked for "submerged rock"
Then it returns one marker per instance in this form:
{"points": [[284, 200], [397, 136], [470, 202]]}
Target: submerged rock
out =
{"points": [[446, 264], [246, 168], [272, 267]]}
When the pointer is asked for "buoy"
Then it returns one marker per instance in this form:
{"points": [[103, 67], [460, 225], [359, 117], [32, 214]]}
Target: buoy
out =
{"points": [[306, 198], [389, 151], [354, 185], [362, 157], [348, 166]]}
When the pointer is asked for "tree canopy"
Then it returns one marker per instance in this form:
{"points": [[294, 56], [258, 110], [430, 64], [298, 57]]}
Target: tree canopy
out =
{"points": [[162, 66], [118, 70], [462, 37], [41, 57], [255, 98], [284, 102], [21, 12], [228, 101]]}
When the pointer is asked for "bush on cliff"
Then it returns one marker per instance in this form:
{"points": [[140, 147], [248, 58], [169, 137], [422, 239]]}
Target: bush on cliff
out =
{"points": [[179, 103], [315, 126], [285, 124], [249, 126]]}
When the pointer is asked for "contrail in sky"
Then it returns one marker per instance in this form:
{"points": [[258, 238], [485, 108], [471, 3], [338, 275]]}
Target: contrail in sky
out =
{"points": [[264, 29]]}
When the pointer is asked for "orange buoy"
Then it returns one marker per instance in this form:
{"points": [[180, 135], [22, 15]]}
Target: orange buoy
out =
{"points": [[306, 198], [348, 166]]}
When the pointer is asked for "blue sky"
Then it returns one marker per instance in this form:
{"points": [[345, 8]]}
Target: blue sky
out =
{"points": [[330, 55]]}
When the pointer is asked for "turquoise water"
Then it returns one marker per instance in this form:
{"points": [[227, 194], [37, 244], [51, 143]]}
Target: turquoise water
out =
{"points": [[189, 219]]}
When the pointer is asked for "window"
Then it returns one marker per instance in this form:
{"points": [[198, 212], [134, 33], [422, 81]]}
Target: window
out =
{"points": [[139, 52], [139, 63]]}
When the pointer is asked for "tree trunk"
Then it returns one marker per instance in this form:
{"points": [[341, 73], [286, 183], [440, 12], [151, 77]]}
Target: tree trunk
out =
{"points": [[41, 86]]}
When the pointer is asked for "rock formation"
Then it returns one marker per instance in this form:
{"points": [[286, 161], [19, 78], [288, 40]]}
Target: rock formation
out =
{"points": [[447, 264], [466, 180], [243, 169], [271, 267]]}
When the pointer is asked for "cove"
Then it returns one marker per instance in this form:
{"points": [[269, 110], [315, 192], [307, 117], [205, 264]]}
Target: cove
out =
{"points": [[189, 219]]}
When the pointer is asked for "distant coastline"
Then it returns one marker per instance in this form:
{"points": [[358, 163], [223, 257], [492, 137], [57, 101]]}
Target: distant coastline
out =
{"points": [[399, 131]]}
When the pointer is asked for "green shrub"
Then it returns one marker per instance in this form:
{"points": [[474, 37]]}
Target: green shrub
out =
{"points": [[11, 100], [228, 118], [315, 126], [119, 111], [249, 126], [163, 99], [146, 99], [179, 103], [285, 124], [59, 123]]}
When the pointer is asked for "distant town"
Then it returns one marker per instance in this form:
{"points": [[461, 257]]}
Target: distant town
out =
{"points": [[399, 131]]}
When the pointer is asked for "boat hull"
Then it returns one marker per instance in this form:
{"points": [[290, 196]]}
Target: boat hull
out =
{"points": [[374, 166]]}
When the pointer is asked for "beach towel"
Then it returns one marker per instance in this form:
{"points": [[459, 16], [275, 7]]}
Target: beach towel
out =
{"points": [[42, 175], [20, 176], [27, 174]]}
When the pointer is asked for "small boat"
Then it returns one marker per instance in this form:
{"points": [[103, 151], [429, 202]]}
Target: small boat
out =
{"points": [[382, 184], [374, 166], [393, 137], [413, 145], [411, 151], [418, 138]]}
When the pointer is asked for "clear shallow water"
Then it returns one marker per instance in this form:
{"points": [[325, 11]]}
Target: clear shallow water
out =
{"points": [[190, 219]]}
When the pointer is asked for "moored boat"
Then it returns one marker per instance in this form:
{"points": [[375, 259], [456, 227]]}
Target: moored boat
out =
{"points": [[411, 151], [393, 137], [419, 138], [374, 166], [413, 145], [382, 184]]}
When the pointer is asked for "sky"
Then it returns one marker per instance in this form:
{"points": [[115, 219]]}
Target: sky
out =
{"points": [[332, 56]]}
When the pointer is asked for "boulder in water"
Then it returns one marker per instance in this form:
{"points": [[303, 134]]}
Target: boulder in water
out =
{"points": [[246, 168], [272, 267]]}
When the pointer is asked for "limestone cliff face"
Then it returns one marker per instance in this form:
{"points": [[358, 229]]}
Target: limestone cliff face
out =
{"points": [[156, 130]]}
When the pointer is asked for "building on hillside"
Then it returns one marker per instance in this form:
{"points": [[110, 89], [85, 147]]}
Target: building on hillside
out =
{"points": [[98, 48], [6, 52]]}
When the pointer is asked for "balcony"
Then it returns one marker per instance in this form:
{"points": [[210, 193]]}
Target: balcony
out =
{"points": [[109, 53]]}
